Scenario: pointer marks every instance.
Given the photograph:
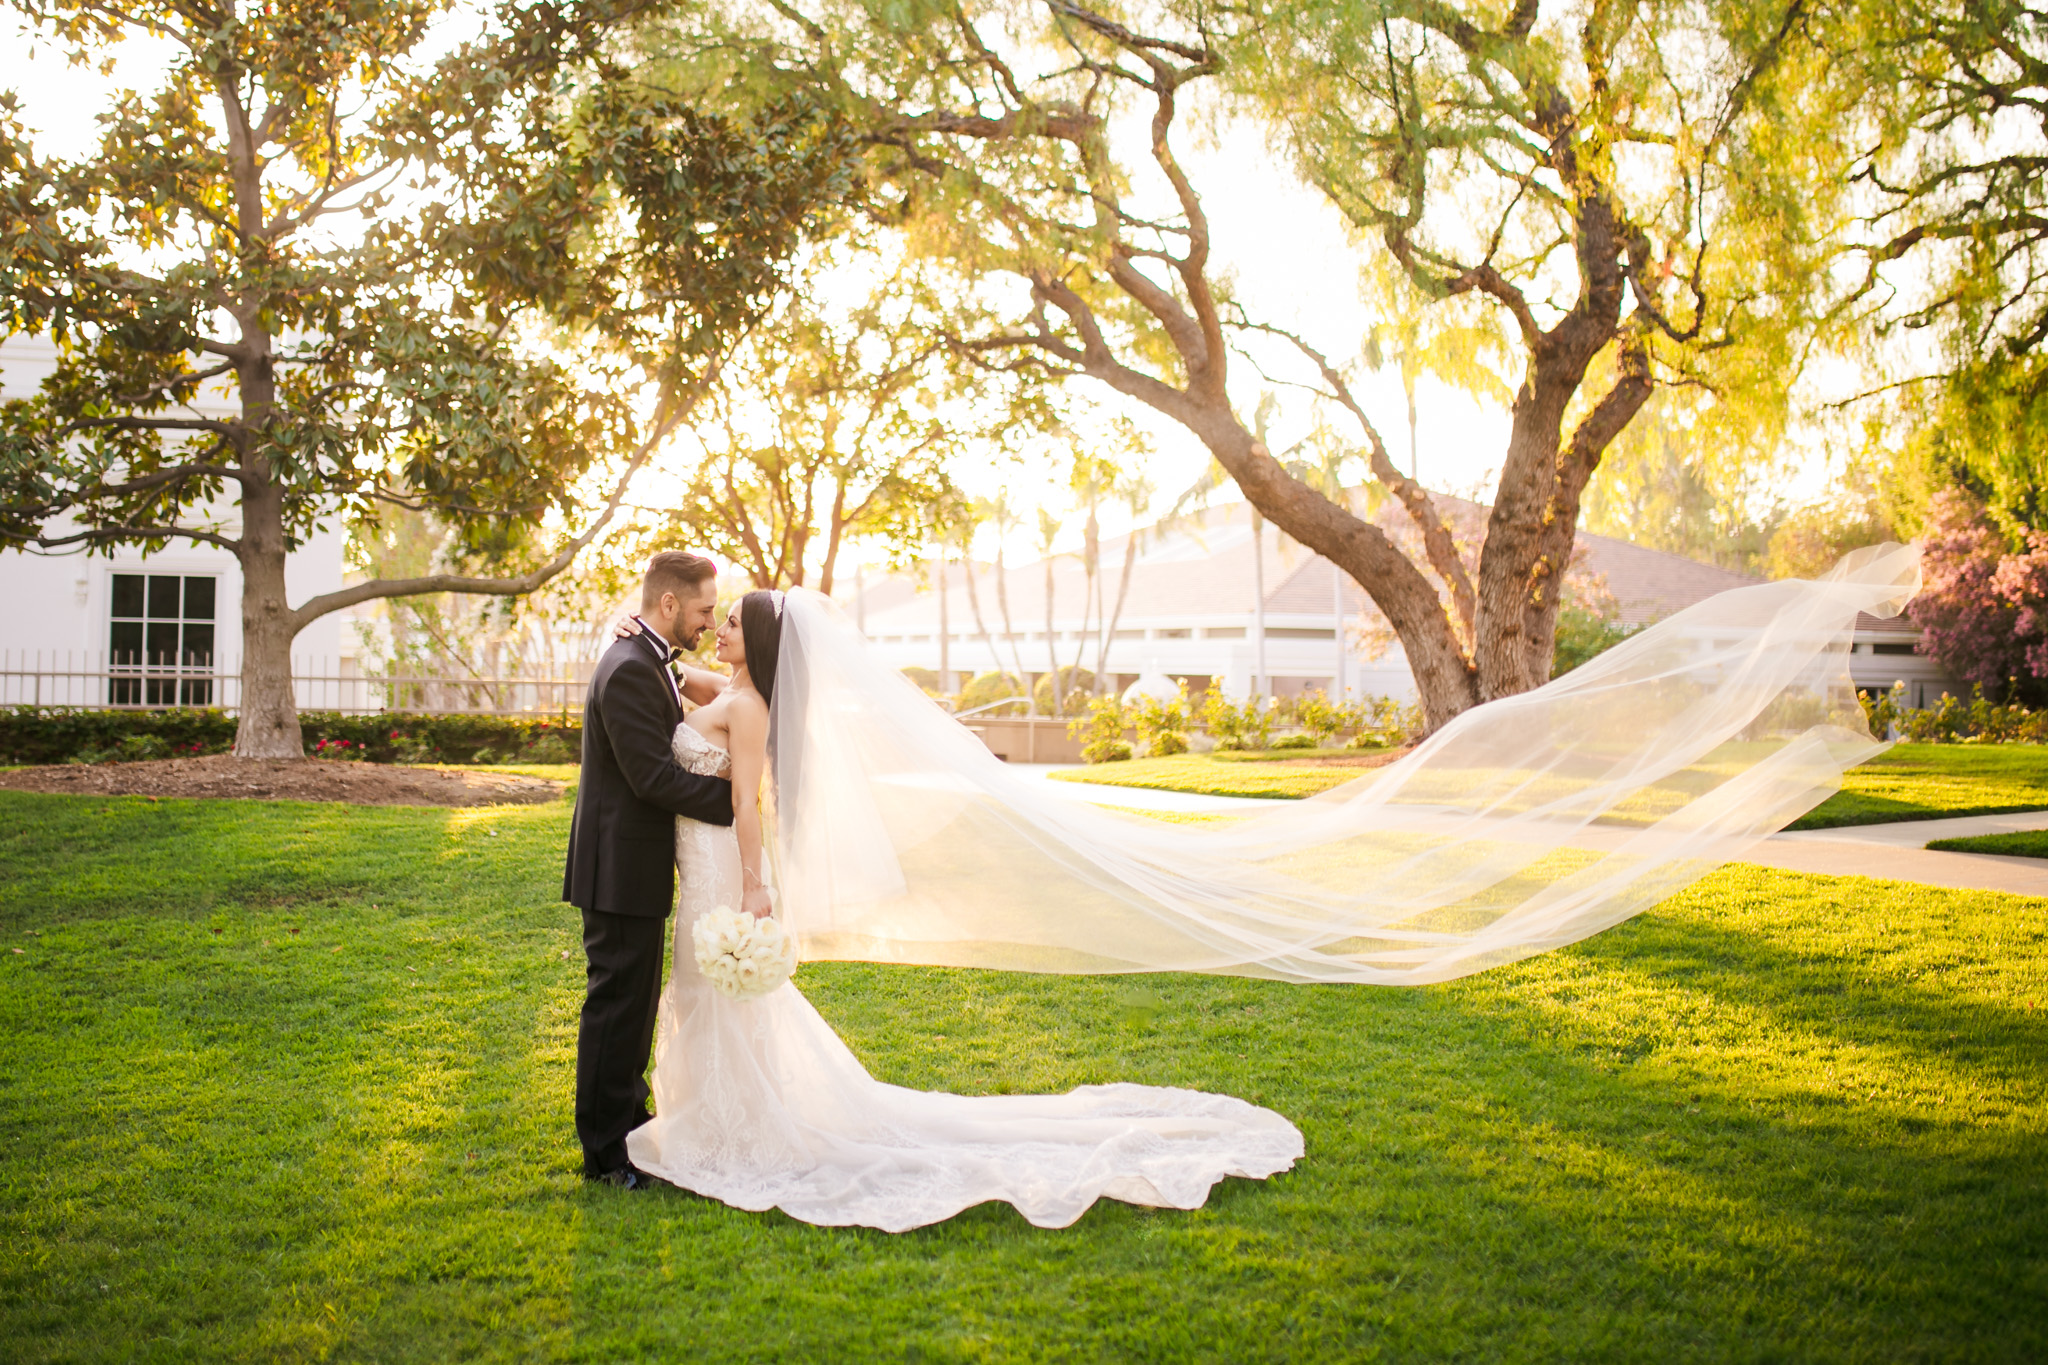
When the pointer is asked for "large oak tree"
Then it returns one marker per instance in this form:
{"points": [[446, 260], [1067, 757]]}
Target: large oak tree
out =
{"points": [[1603, 175]]}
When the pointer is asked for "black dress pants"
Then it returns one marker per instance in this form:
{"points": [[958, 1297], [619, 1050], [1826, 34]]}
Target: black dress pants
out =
{"points": [[623, 990]]}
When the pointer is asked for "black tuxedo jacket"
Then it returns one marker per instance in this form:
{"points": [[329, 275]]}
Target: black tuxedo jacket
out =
{"points": [[622, 843]]}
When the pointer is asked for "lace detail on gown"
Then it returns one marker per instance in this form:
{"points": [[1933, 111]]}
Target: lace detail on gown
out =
{"points": [[760, 1105]]}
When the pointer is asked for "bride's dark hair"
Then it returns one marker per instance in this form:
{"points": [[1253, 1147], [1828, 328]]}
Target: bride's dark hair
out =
{"points": [[761, 634]]}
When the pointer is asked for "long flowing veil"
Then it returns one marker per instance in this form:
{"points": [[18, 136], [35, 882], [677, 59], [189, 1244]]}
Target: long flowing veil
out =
{"points": [[1524, 824]]}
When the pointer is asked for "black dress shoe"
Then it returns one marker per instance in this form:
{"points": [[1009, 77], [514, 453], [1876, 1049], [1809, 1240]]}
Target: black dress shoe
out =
{"points": [[627, 1177]]}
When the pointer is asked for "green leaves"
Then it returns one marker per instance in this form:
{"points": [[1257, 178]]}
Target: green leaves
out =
{"points": [[452, 283]]}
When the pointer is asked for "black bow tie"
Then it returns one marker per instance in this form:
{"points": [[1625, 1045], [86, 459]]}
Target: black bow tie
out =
{"points": [[669, 653]]}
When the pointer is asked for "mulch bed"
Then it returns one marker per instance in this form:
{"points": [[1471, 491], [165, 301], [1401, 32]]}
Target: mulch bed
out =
{"points": [[311, 779]]}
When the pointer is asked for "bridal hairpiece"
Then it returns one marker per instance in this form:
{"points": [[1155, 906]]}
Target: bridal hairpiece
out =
{"points": [[775, 598]]}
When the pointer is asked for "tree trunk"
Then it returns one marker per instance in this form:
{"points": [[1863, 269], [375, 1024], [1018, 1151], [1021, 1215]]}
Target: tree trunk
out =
{"points": [[1010, 632], [1414, 459], [945, 632], [1260, 687], [1411, 603], [1530, 532], [1052, 644], [1116, 613], [268, 726], [980, 626], [1501, 637], [1091, 547]]}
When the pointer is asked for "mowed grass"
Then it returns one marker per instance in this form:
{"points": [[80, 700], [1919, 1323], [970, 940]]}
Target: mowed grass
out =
{"points": [[1906, 782], [1929, 781], [292, 1082], [2032, 843], [1218, 775]]}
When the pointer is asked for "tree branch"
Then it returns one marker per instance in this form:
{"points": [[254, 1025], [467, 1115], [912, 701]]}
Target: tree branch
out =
{"points": [[114, 535], [314, 608], [1437, 541]]}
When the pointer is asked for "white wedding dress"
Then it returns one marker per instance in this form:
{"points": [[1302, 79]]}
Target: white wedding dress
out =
{"points": [[760, 1105]]}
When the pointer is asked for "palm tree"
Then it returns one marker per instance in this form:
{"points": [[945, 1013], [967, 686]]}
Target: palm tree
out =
{"points": [[1317, 459], [1135, 491], [959, 531], [1093, 478], [1048, 532], [1000, 514]]}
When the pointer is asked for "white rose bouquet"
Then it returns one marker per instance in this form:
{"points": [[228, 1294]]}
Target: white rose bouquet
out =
{"points": [[740, 955]]}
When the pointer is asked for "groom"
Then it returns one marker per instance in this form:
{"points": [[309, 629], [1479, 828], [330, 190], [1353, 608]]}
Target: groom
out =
{"points": [[622, 870]]}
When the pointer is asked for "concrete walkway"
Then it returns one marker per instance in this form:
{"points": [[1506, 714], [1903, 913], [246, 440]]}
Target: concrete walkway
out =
{"points": [[1899, 852], [1894, 852]]}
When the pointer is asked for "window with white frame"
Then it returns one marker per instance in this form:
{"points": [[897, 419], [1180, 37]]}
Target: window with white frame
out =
{"points": [[160, 640]]}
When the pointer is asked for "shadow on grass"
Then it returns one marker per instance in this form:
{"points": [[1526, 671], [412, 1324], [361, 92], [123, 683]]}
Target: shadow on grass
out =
{"points": [[1708, 1134]]}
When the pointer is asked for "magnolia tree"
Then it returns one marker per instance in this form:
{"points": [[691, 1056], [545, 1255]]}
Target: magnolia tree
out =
{"points": [[475, 287], [1605, 179], [1983, 612]]}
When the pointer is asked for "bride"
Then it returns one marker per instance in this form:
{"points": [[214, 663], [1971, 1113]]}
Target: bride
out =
{"points": [[759, 1104], [893, 835]]}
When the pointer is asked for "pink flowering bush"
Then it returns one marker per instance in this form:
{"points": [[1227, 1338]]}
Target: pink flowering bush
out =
{"points": [[1983, 613]]}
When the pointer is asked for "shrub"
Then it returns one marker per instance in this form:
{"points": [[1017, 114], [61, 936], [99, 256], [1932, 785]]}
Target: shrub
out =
{"points": [[1224, 718], [989, 688], [30, 734], [54, 735], [1257, 723], [1296, 742], [1316, 714], [925, 678], [1078, 683], [1980, 721], [1382, 722], [1103, 730], [1160, 721], [394, 737], [554, 746], [337, 748], [1583, 633]]}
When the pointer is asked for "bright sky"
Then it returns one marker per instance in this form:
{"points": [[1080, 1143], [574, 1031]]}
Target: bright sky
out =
{"points": [[1281, 241]]}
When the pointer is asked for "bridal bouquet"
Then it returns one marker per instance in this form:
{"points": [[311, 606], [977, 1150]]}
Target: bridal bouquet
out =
{"points": [[740, 955]]}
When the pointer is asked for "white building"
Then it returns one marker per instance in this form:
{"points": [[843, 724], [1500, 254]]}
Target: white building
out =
{"points": [[1203, 607], [93, 628]]}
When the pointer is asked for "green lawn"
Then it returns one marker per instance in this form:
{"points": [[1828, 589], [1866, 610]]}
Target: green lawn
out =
{"points": [[292, 1082], [1217, 775], [1928, 781], [2031, 843], [1907, 782]]}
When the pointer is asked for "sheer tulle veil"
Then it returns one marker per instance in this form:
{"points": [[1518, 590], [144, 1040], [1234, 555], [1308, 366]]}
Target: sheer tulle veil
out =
{"points": [[1524, 824]]}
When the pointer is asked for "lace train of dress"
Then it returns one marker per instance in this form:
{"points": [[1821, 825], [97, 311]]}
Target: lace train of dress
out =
{"points": [[760, 1105]]}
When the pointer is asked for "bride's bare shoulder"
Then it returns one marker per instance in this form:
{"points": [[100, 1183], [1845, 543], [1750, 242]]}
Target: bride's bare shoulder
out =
{"points": [[744, 705]]}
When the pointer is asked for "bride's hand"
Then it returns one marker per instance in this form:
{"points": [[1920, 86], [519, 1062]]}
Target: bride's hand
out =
{"points": [[626, 629], [756, 902]]}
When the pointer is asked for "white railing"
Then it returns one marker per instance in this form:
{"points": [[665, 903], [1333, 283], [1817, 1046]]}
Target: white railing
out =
{"points": [[89, 681]]}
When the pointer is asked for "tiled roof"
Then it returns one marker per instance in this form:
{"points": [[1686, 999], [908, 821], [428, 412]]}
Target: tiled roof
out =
{"points": [[1650, 584]]}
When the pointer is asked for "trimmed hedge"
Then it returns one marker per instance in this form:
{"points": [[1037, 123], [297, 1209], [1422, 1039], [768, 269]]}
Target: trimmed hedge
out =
{"points": [[58, 735]]}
